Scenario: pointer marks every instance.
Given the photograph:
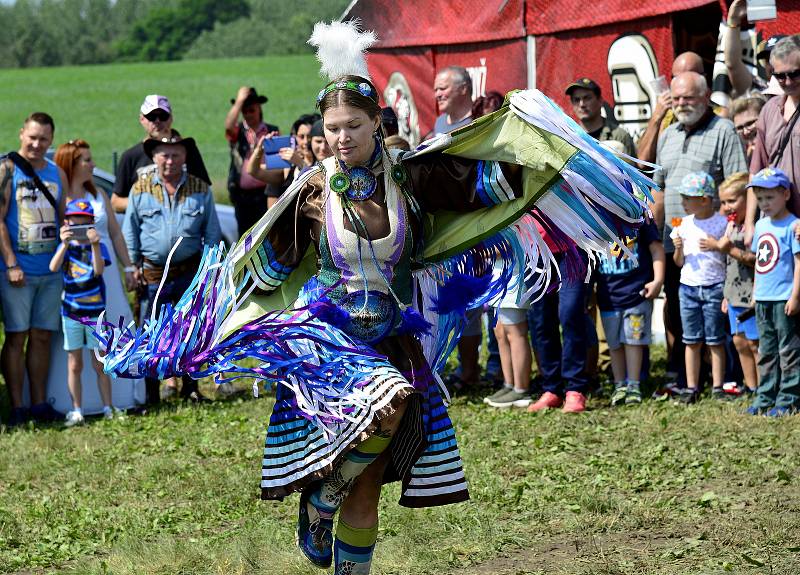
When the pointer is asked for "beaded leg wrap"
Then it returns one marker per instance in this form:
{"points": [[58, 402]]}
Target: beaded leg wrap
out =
{"points": [[318, 505], [353, 548]]}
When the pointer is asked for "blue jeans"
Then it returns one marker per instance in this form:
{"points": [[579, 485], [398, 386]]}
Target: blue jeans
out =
{"points": [[778, 357], [701, 314], [563, 366], [170, 293]]}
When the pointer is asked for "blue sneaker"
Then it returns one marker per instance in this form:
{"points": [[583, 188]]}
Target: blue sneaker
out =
{"points": [[753, 410], [314, 538], [781, 411]]}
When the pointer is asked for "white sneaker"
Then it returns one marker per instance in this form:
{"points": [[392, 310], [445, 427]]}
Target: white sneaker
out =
{"points": [[112, 412], [73, 418]]}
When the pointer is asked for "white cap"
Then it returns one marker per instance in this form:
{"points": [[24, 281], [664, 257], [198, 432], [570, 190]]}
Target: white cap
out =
{"points": [[155, 102], [773, 88]]}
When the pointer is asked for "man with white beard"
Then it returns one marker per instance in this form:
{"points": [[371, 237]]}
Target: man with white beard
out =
{"points": [[699, 142]]}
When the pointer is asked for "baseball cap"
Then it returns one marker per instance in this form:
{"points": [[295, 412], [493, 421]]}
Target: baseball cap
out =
{"points": [[766, 46], [155, 102], [697, 185], [79, 208], [770, 178], [586, 84]]}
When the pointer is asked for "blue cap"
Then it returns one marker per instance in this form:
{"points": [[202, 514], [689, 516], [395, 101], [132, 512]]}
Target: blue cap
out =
{"points": [[770, 178], [697, 185], [79, 208]]}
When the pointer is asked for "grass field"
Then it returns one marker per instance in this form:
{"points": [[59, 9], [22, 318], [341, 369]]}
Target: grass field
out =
{"points": [[101, 103], [652, 489], [655, 489]]}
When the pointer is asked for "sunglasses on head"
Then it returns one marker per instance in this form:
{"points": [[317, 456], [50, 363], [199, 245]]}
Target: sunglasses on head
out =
{"points": [[159, 115], [783, 76]]}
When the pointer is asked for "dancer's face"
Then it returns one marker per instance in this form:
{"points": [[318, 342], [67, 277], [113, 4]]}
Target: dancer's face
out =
{"points": [[349, 132]]}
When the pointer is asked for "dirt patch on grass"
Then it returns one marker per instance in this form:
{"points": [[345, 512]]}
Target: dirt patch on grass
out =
{"points": [[569, 554]]}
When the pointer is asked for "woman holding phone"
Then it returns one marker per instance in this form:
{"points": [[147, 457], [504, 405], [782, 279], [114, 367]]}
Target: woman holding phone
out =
{"points": [[297, 157]]}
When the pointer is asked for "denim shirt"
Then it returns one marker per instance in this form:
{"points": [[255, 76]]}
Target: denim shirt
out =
{"points": [[154, 221]]}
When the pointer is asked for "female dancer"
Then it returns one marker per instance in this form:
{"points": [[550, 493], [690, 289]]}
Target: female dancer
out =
{"points": [[365, 267], [75, 158]]}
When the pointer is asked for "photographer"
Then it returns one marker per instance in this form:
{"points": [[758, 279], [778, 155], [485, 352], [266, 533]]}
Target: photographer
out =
{"points": [[297, 155], [246, 192]]}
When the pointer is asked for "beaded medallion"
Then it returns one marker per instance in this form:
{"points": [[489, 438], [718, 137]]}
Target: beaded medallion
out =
{"points": [[340, 183], [357, 183], [363, 184], [399, 174], [371, 322]]}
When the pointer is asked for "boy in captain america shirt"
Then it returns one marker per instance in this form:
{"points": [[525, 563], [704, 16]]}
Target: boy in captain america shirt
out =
{"points": [[777, 295]]}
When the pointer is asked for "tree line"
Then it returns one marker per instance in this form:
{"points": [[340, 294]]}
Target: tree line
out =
{"points": [[74, 32]]}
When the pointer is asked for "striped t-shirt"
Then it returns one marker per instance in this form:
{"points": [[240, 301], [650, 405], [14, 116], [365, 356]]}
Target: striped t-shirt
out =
{"points": [[84, 293]]}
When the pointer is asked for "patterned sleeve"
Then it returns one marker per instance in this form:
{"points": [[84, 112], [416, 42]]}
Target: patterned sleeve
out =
{"points": [[288, 239], [445, 182]]}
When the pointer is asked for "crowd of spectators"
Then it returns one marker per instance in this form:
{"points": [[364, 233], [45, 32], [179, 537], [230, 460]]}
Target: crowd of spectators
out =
{"points": [[723, 244]]}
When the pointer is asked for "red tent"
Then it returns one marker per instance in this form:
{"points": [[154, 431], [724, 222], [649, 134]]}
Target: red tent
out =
{"points": [[546, 44]]}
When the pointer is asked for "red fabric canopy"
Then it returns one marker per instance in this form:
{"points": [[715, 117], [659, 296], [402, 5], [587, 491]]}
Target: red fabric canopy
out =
{"points": [[437, 22], [547, 16], [788, 21], [432, 23]]}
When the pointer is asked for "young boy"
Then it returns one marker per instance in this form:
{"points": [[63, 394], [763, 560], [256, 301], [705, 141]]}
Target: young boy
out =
{"points": [[82, 258], [625, 293], [777, 296], [738, 289], [702, 279]]}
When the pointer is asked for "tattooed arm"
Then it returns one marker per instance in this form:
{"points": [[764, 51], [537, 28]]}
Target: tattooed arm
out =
{"points": [[13, 271]]}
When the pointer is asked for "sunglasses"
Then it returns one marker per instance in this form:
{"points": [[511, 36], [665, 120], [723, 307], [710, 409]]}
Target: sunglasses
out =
{"points": [[158, 115], [783, 76]]}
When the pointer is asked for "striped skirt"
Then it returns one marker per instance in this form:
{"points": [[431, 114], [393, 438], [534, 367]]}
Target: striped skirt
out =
{"points": [[423, 454]]}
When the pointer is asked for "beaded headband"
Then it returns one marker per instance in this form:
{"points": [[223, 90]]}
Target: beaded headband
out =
{"points": [[363, 88]]}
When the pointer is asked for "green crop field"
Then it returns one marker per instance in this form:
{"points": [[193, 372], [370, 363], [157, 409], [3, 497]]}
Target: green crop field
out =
{"points": [[101, 103]]}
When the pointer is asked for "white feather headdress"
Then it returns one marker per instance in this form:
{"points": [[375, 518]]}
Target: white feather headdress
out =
{"points": [[341, 48]]}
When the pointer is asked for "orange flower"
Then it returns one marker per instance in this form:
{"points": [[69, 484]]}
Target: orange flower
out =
{"points": [[676, 222]]}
